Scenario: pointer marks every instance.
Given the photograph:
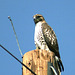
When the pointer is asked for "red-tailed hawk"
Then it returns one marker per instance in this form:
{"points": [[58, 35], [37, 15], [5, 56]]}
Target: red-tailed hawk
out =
{"points": [[45, 38]]}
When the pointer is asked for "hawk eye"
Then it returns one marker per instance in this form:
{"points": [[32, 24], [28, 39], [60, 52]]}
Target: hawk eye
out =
{"points": [[38, 16]]}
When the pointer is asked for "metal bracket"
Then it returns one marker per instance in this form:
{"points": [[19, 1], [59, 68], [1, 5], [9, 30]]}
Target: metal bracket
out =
{"points": [[51, 70]]}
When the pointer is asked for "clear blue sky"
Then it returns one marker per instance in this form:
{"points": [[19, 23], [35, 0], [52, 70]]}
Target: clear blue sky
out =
{"points": [[59, 14]]}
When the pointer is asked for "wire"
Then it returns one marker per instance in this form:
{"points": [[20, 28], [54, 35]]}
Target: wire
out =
{"points": [[15, 35], [17, 59]]}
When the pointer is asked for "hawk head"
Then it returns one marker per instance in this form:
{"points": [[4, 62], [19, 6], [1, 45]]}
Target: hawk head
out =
{"points": [[37, 18]]}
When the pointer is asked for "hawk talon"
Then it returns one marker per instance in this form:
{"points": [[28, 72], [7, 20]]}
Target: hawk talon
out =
{"points": [[37, 47]]}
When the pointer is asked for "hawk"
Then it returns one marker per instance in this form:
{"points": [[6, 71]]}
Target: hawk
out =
{"points": [[45, 38]]}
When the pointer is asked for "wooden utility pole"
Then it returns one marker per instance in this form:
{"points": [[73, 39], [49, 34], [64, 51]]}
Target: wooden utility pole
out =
{"points": [[39, 61]]}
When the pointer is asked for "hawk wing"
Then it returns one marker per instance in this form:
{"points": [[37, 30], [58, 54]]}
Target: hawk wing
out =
{"points": [[50, 39]]}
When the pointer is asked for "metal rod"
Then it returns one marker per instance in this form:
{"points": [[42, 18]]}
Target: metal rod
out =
{"points": [[17, 59], [15, 35]]}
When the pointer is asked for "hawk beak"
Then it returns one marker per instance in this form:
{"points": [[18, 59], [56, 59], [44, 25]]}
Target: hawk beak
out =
{"points": [[34, 17]]}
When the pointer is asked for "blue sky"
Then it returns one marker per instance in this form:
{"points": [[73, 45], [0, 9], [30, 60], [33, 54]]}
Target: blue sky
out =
{"points": [[59, 14]]}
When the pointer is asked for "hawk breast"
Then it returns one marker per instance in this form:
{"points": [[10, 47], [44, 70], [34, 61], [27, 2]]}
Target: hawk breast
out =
{"points": [[39, 38]]}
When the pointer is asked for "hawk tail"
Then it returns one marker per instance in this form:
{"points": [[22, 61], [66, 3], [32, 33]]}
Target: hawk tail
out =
{"points": [[60, 65]]}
